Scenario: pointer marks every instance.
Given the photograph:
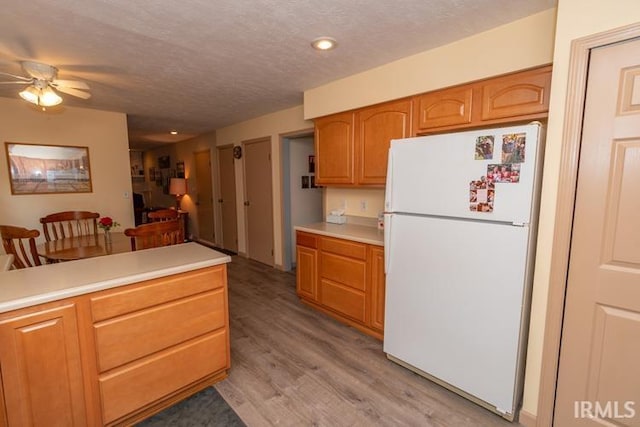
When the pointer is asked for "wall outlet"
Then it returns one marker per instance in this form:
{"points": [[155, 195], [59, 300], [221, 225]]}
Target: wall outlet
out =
{"points": [[125, 195], [343, 204], [363, 205]]}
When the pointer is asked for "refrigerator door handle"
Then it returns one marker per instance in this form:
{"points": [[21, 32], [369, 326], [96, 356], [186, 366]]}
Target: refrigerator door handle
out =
{"points": [[387, 242], [389, 184]]}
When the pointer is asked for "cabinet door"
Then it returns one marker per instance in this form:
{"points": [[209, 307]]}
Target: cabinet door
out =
{"points": [[41, 368], [307, 272], [447, 107], [521, 94], [376, 264], [334, 149], [375, 128]]}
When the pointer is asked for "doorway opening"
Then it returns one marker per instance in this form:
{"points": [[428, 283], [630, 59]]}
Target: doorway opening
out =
{"points": [[301, 199]]}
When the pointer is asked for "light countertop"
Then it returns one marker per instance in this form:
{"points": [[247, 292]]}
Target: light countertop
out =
{"points": [[358, 233], [36, 285]]}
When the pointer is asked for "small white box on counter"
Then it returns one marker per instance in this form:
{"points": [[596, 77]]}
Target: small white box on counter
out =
{"points": [[336, 219]]}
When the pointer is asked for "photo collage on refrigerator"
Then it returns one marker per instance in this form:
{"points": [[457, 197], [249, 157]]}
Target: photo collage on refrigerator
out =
{"points": [[482, 191]]}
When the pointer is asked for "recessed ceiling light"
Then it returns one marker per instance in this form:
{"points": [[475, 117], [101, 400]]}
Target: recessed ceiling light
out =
{"points": [[324, 43], [174, 132]]}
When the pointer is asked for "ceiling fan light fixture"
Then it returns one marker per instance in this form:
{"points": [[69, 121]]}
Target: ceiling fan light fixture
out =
{"points": [[48, 98], [324, 43], [30, 94]]}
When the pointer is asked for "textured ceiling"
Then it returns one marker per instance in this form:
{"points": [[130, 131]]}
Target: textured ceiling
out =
{"points": [[198, 65]]}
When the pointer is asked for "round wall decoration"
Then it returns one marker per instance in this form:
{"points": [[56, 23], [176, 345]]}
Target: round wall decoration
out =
{"points": [[237, 152]]}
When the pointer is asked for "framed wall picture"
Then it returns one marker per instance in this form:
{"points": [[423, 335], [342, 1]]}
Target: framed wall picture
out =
{"points": [[136, 163], [180, 169], [164, 162], [45, 169], [312, 164]]}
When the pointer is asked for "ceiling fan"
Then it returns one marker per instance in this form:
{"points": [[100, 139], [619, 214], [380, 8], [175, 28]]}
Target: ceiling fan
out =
{"points": [[43, 84]]}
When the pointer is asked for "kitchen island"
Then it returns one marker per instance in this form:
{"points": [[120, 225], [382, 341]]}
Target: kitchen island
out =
{"points": [[112, 340]]}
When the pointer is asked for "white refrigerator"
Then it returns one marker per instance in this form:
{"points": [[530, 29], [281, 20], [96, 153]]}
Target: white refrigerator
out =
{"points": [[460, 228]]}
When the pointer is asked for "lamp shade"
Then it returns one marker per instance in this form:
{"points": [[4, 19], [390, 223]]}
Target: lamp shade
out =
{"points": [[178, 186]]}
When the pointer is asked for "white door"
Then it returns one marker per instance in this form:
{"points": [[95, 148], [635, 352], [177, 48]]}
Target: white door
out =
{"points": [[258, 200], [227, 200], [204, 196], [599, 371]]}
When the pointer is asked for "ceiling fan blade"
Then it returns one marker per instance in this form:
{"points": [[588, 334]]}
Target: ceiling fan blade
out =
{"points": [[74, 84], [74, 92], [25, 79], [15, 83]]}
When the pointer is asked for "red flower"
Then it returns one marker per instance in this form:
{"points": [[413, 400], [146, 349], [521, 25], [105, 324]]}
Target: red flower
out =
{"points": [[106, 223]]}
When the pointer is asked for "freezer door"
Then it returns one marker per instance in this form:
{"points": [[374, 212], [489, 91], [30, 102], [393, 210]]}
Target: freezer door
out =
{"points": [[454, 302], [432, 175]]}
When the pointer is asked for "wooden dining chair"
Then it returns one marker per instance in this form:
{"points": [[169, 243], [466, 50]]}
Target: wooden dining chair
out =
{"points": [[21, 243], [69, 224], [155, 234], [163, 215]]}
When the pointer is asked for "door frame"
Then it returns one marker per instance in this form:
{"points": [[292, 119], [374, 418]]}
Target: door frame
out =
{"points": [[565, 206]]}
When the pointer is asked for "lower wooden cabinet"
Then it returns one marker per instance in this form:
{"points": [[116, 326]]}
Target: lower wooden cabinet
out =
{"points": [[307, 266], [376, 265], [41, 368], [347, 279], [117, 356]]}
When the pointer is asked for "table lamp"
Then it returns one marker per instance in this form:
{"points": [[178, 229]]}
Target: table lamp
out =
{"points": [[178, 187]]}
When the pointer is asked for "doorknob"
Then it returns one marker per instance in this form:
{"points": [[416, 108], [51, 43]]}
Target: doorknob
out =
{"points": [[246, 203], [220, 200]]}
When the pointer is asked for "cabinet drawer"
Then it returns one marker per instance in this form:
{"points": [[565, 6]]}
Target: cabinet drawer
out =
{"points": [[343, 270], [343, 299], [344, 247], [153, 292], [307, 240], [134, 387], [127, 338]]}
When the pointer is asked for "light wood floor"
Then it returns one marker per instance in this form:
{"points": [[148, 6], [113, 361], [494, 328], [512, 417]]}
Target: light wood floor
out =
{"points": [[293, 366]]}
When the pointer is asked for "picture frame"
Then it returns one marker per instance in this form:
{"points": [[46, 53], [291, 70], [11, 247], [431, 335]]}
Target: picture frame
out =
{"points": [[312, 164], [180, 169], [164, 162], [137, 164], [48, 169]]}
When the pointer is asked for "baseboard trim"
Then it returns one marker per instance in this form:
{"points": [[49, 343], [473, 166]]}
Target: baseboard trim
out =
{"points": [[527, 419]]}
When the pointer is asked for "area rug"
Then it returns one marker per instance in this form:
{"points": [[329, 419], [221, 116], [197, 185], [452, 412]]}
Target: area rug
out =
{"points": [[206, 408]]}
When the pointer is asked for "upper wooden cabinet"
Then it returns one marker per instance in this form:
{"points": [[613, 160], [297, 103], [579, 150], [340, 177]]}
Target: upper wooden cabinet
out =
{"points": [[375, 128], [352, 147], [334, 149], [516, 95], [448, 107], [510, 98]]}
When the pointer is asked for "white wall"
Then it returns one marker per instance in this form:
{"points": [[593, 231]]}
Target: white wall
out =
{"points": [[105, 133], [273, 126], [306, 203], [576, 18]]}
